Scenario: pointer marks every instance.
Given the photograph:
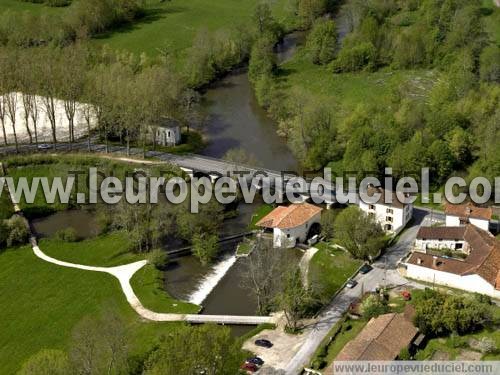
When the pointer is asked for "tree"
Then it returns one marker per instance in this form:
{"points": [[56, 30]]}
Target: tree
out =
{"points": [[359, 233], [99, 346], [309, 10], [11, 101], [295, 299], [18, 233], [3, 112], [47, 362], [4, 233], [322, 41], [263, 275], [490, 64], [263, 19], [205, 247], [373, 306], [262, 59], [49, 88], [327, 224], [206, 349]]}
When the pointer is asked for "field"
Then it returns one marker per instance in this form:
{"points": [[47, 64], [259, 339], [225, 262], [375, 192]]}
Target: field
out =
{"points": [[174, 24], [42, 302], [347, 90]]}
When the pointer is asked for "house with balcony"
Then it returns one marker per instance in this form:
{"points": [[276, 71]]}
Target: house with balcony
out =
{"points": [[388, 211], [291, 224]]}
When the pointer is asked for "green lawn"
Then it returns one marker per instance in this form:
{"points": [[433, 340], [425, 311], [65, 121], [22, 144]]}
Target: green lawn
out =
{"points": [[347, 90], [42, 302], [174, 24], [105, 251], [331, 268]]}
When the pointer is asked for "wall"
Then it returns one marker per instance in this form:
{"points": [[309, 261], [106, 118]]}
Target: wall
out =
{"points": [[297, 234], [400, 216], [454, 221], [436, 244], [470, 283]]}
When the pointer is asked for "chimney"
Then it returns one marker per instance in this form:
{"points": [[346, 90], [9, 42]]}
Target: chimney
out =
{"points": [[434, 261], [468, 210], [419, 260]]}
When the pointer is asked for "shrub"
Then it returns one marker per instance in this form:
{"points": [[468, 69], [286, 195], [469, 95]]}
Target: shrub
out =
{"points": [[18, 233], [67, 235], [321, 42], [158, 257], [373, 306], [404, 355], [358, 57]]}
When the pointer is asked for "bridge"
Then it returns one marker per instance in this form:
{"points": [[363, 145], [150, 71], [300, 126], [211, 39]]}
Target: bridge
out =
{"points": [[193, 165]]}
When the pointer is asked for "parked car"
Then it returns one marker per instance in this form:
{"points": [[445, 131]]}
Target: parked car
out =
{"points": [[249, 367], [256, 361], [365, 268], [44, 146], [351, 283], [263, 343]]}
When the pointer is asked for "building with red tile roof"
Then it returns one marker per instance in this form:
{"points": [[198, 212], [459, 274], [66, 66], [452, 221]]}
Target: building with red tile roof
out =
{"points": [[291, 224]]}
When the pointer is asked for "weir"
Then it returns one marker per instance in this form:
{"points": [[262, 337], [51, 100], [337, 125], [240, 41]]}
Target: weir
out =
{"points": [[210, 281]]}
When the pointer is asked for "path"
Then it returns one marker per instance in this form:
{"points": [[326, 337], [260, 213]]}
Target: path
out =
{"points": [[304, 264], [124, 274]]}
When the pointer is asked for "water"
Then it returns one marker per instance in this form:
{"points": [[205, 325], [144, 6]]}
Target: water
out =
{"points": [[210, 281], [82, 221], [235, 119]]}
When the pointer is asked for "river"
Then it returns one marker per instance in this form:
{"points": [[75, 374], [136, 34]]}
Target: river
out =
{"points": [[235, 119]]}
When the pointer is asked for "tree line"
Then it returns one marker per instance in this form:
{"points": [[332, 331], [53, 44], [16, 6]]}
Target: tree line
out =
{"points": [[449, 123], [79, 21]]}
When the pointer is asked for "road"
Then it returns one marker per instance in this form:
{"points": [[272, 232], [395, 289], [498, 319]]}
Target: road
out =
{"points": [[383, 273]]}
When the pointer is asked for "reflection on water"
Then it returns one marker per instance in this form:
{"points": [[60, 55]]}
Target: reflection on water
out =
{"points": [[236, 121], [82, 221]]}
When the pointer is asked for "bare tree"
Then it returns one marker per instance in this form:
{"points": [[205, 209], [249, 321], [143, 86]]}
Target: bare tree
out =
{"points": [[49, 90], [3, 109], [11, 101], [32, 101], [264, 273]]}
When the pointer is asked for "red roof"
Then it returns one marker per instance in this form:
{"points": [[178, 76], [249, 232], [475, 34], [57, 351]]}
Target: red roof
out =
{"points": [[468, 210], [289, 217]]}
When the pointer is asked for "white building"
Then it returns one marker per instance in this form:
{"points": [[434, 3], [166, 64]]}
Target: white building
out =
{"points": [[462, 214], [168, 133], [476, 270], [392, 214], [291, 224]]}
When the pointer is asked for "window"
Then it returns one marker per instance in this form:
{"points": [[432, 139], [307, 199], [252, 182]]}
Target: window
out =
{"points": [[459, 246], [288, 235], [389, 211], [389, 219], [371, 207]]}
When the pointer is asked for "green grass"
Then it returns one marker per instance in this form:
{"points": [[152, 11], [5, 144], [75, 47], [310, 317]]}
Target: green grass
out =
{"points": [[331, 268], [42, 302], [147, 285], [259, 213], [348, 90], [105, 251], [174, 24], [244, 248]]}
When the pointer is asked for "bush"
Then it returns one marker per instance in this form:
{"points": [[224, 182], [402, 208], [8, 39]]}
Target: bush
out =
{"points": [[404, 355], [18, 233], [4, 233], [321, 42], [67, 235], [158, 257], [373, 306], [361, 56]]}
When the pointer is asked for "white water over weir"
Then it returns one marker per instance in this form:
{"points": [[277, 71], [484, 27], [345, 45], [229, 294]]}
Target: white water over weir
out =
{"points": [[211, 280]]}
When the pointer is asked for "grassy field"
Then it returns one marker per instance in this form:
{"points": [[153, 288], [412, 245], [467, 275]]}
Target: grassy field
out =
{"points": [[331, 268], [259, 213], [347, 90], [42, 302], [174, 24]]}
